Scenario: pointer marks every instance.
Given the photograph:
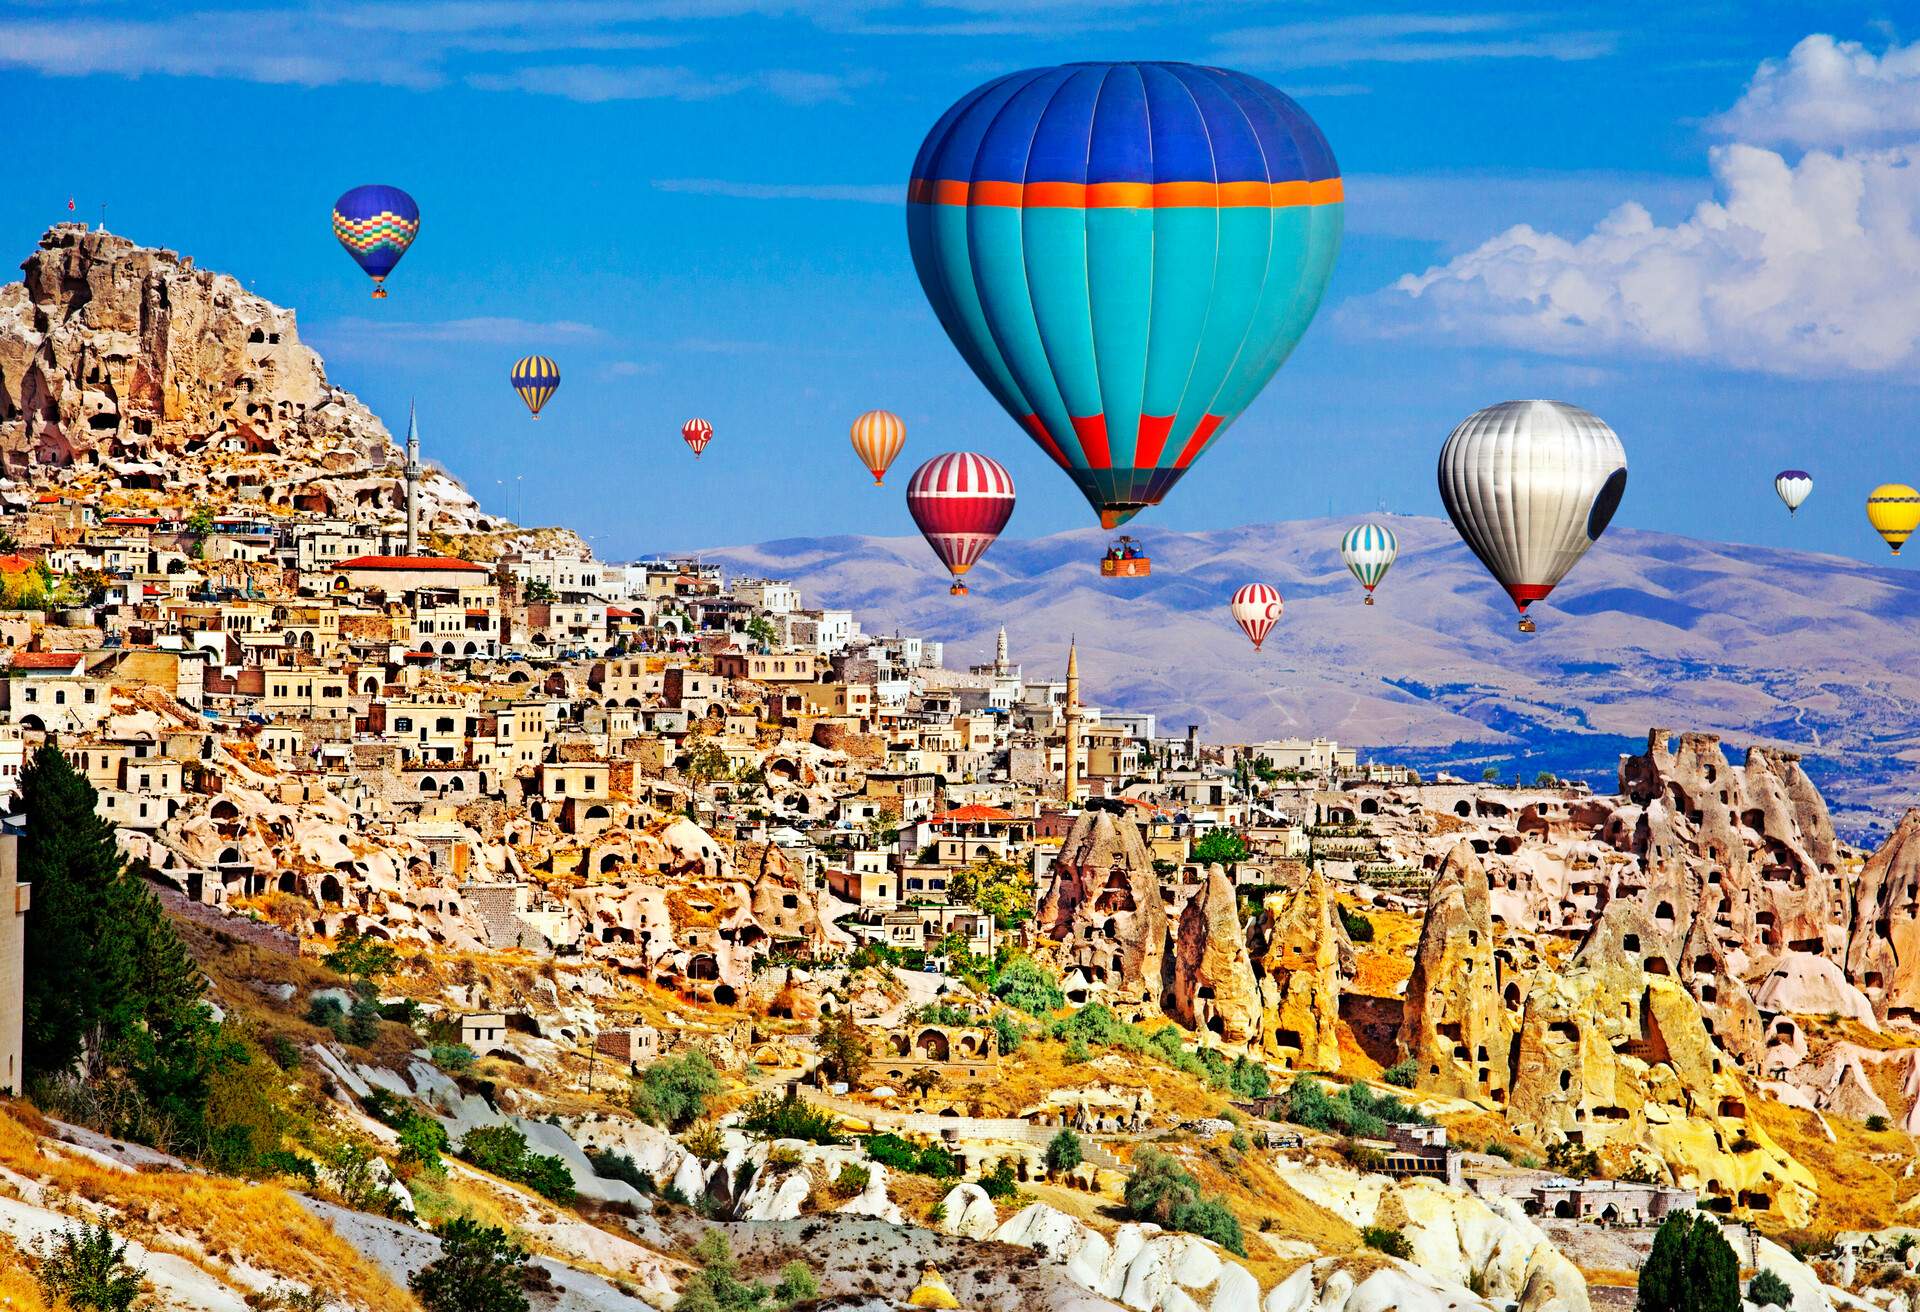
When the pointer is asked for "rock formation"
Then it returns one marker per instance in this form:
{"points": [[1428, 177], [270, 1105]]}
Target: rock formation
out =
{"points": [[1456, 1025], [1883, 949], [1751, 850], [1301, 954], [1213, 988], [127, 371], [1104, 904], [1614, 1054]]}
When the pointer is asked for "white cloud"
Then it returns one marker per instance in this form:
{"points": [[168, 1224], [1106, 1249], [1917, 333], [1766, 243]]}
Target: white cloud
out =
{"points": [[1409, 39], [1830, 93], [865, 193], [1807, 267], [360, 337]]}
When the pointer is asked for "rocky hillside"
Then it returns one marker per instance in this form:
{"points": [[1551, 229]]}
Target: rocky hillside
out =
{"points": [[1809, 652], [131, 378]]}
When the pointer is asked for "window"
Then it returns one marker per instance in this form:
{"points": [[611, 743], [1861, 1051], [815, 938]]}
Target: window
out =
{"points": [[60, 697]]}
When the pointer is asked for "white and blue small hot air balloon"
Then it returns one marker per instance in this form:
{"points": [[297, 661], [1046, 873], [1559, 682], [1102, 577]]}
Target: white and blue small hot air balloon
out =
{"points": [[1793, 485]]}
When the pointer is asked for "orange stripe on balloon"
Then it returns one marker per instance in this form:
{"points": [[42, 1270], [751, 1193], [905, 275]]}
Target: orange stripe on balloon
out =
{"points": [[1126, 195]]}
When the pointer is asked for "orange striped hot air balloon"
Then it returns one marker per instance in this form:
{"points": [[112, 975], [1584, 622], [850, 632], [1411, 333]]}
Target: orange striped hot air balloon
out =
{"points": [[878, 436]]}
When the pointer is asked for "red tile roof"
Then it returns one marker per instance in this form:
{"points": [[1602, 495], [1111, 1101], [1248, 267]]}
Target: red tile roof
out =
{"points": [[448, 563], [972, 812], [47, 660], [15, 563]]}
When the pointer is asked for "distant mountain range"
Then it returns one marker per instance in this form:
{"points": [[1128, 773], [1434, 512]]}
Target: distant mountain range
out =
{"points": [[1815, 652]]}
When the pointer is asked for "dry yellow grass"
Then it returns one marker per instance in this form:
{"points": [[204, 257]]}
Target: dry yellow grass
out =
{"points": [[259, 1223], [1864, 1176], [18, 1292]]}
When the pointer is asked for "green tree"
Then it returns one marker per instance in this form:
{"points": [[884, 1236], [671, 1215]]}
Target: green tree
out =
{"points": [[80, 971], [1002, 889], [361, 956], [843, 1047], [760, 629], [88, 1268], [480, 1269], [884, 826], [706, 761], [1545, 779], [674, 1091], [1220, 847], [1490, 775], [719, 1287], [1064, 1152], [1692, 1268], [1768, 1288]]}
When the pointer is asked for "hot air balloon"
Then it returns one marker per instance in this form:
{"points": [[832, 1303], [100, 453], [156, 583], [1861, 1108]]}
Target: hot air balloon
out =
{"points": [[961, 501], [1894, 511], [536, 378], [1793, 485], [1256, 609], [1124, 253], [696, 433], [376, 224], [878, 436], [1531, 485], [1369, 551]]}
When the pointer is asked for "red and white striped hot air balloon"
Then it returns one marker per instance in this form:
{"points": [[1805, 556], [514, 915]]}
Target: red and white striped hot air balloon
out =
{"points": [[878, 436], [961, 501], [696, 433], [1256, 609]]}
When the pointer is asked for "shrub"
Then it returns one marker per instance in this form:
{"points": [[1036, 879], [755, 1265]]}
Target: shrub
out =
{"points": [[422, 1140], [1388, 1240], [1076, 1052], [1000, 1182], [1239, 1142], [902, 1155], [452, 1057], [1064, 1151], [1359, 928], [674, 1091], [88, 1268], [1008, 1033], [1875, 1124], [769, 1116], [1766, 1288], [1211, 1219], [705, 1143], [1023, 983], [1160, 1189], [851, 1182], [782, 1158], [1401, 1073], [1572, 1159], [1248, 1078], [502, 1151], [480, 1269], [618, 1166], [325, 1011]]}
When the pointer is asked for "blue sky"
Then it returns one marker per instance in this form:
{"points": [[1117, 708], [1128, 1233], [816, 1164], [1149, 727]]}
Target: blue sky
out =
{"points": [[695, 207]]}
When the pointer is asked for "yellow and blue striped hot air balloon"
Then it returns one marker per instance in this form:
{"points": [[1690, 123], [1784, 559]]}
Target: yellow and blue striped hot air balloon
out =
{"points": [[1124, 253], [1894, 511], [1369, 551], [535, 377]]}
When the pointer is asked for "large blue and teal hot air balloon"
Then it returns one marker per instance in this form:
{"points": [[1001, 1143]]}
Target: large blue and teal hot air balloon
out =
{"points": [[376, 224], [1125, 253]]}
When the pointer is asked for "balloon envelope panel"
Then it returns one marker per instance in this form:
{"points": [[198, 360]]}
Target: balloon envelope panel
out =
{"points": [[376, 224], [1124, 253]]}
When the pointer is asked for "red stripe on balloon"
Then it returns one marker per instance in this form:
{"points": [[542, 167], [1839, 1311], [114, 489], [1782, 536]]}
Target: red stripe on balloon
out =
{"points": [[1045, 439], [1525, 594], [1201, 432], [1092, 432], [1152, 440]]}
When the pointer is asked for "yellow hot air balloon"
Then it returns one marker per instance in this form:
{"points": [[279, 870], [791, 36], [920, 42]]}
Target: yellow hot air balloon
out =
{"points": [[878, 436], [1894, 511]]}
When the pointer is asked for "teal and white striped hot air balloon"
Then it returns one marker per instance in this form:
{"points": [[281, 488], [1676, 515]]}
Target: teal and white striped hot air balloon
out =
{"points": [[1369, 550]]}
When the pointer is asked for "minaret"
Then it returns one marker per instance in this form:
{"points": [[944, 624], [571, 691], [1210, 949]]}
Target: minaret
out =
{"points": [[1073, 722], [413, 482], [1000, 659]]}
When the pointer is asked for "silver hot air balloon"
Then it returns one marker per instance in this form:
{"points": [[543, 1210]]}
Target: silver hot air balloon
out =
{"points": [[1530, 485]]}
